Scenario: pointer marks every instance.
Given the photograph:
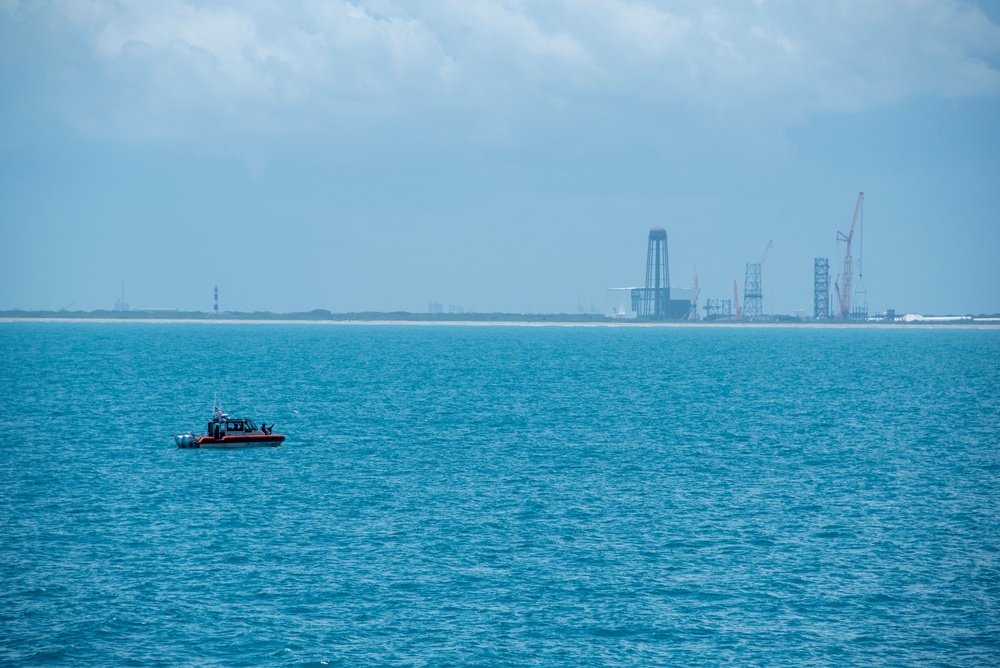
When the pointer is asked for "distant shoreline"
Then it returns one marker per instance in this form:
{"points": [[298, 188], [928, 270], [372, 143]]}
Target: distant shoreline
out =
{"points": [[520, 321]]}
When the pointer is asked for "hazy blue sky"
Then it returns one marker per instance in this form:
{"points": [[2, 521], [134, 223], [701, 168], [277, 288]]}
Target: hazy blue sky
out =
{"points": [[500, 155]]}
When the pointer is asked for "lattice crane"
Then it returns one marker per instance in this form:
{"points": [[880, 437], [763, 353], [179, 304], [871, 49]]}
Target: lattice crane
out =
{"points": [[766, 251], [847, 273], [693, 315]]}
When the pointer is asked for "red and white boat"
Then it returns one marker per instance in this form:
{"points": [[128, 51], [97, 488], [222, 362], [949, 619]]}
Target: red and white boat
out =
{"points": [[226, 432]]}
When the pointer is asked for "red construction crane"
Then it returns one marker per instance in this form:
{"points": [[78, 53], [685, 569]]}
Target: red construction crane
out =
{"points": [[847, 274]]}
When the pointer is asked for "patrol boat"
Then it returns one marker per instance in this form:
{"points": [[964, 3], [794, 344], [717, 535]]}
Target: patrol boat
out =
{"points": [[228, 432]]}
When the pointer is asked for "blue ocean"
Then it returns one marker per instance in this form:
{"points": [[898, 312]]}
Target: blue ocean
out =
{"points": [[500, 496]]}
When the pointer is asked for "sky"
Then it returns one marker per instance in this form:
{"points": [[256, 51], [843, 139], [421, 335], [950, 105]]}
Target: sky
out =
{"points": [[494, 155]]}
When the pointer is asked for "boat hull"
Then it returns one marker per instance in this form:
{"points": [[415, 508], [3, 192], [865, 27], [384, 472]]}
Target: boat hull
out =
{"points": [[229, 442]]}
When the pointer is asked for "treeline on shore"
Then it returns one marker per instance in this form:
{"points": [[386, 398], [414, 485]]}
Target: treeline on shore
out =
{"points": [[316, 314]]}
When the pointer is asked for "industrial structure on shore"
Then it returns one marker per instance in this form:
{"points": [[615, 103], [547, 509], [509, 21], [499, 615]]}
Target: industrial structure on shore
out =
{"points": [[658, 301], [852, 298]]}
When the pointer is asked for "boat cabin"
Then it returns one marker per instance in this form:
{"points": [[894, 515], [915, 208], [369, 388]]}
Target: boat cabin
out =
{"points": [[220, 426]]}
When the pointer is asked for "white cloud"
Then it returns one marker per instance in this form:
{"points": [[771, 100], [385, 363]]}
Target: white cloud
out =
{"points": [[272, 56]]}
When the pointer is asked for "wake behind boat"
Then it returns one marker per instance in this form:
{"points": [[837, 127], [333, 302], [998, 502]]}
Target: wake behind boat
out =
{"points": [[228, 432]]}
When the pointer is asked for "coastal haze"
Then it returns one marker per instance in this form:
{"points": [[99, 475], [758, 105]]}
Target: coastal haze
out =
{"points": [[493, 156]]}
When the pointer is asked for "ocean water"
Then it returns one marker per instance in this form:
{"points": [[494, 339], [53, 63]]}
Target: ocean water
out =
{"points": [[500, 496]]}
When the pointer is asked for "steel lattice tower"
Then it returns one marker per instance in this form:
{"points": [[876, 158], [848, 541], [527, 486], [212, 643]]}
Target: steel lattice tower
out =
{"points": [[718, 308], [821, 288], [655, 300], [753, 296]]}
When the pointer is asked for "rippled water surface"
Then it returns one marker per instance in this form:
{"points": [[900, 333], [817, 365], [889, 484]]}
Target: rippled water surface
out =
{"points": [[500, 496]]}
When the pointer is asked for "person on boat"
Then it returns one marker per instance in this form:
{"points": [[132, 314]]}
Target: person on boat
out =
{"points": [[218, 413]]}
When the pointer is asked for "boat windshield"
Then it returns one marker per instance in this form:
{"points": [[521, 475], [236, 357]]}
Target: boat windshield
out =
{"points": [[239, 425]]}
